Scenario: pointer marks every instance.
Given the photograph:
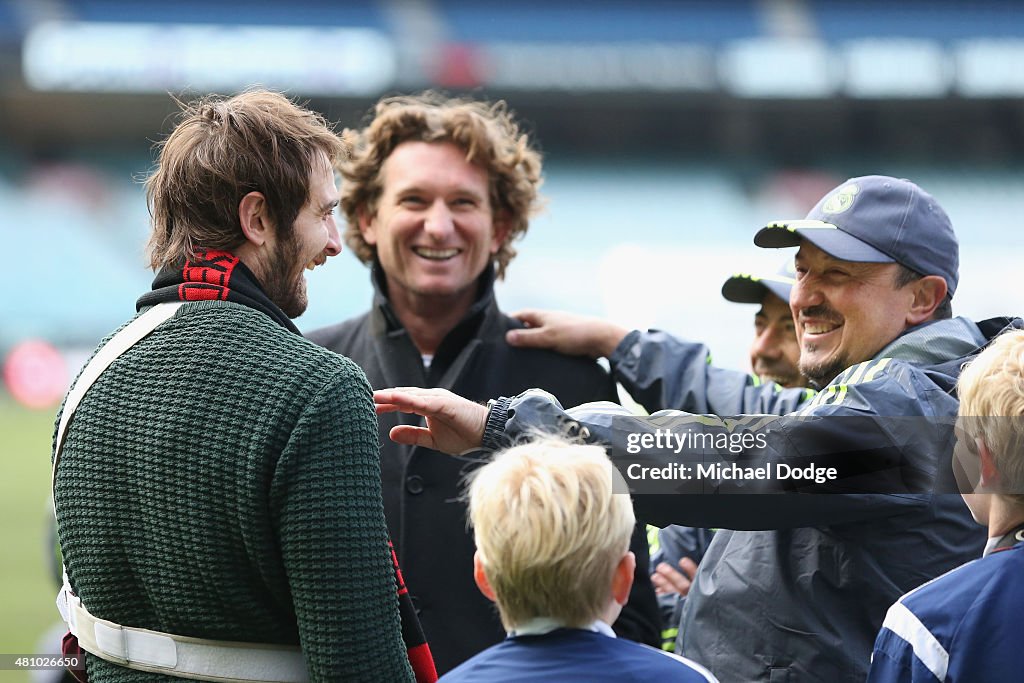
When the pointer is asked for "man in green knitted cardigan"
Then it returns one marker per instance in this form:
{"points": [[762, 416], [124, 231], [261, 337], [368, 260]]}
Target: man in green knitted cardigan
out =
{"points": [[220, 480]]}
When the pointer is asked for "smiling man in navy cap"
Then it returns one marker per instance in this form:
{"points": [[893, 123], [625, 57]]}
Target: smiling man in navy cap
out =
{"points": [[883, 258]]}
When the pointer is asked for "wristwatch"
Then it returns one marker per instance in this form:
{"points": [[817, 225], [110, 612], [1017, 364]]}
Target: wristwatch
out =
{"points": [[494, 428]]}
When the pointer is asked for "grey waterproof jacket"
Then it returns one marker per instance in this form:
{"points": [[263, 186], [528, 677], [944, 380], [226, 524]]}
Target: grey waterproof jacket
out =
{"points": [[796, 585]]}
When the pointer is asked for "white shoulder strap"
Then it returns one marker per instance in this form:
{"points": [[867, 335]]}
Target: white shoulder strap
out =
{"points": [[129, 335]]}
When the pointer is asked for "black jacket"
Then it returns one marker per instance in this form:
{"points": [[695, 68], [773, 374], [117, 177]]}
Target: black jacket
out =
{"points": [[426, 518]]}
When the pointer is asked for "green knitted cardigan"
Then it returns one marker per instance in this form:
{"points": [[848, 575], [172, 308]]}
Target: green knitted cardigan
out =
{"points": [[221, 480]]}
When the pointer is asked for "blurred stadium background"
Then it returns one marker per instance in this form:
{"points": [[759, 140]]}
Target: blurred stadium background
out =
{"points": [[672, 130]]}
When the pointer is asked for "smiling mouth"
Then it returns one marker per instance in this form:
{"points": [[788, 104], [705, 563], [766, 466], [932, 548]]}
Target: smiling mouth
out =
{"points": [[436, 254], [815, 329], [318, 261]]}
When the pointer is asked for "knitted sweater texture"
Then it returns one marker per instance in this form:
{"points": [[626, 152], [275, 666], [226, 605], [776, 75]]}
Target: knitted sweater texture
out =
{"points": [[221, 480]]}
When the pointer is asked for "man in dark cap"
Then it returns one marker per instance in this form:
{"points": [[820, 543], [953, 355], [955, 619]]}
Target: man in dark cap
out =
{"points": [[775, 350]]}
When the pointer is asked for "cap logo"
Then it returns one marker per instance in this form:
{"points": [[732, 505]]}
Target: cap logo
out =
{"points": [[841, 200]]}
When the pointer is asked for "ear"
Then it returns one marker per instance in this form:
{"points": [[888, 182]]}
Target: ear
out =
{"points": [[481, 578], [990, 477], [928, 292], [501, 227], [254, 219], [966, 465], [622, 579], [368, 225]]}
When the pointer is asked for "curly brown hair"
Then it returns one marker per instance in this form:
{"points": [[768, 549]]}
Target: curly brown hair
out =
{"points": [[485, 131], [222, 149]]}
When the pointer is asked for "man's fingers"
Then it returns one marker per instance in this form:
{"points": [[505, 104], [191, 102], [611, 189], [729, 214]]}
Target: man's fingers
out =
{"points": [[535, 335], [678, 583], [412, 436], [389, 394], [406, 400], [528, 337], [382, 408], [689, 567], [530, 317], [661, 586]]}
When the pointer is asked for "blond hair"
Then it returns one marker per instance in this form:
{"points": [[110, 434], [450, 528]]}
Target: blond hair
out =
{"points": [[221, 150], [487, 134], [549, 530], [991, 392]]}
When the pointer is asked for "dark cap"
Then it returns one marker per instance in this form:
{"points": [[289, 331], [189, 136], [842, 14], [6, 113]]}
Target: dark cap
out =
{"points": [[744, 288], [876, 219]]}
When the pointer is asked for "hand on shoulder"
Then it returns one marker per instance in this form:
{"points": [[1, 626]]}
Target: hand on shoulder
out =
{"points": [[568, 333]]}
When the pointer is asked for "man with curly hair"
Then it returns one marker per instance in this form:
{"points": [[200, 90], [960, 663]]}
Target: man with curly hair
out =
{"points": [[435, 193]]}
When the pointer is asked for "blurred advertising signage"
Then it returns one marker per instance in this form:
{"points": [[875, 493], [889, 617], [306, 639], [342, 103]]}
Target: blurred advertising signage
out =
{"points": [[873, 68], [600, 66], [137, 57]]}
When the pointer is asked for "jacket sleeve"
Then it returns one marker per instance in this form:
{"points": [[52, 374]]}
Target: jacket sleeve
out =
{"points": [[893, 660], [886, 465], [327, 509], [661, 372]]}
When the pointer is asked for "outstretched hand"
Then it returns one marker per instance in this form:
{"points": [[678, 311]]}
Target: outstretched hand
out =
{"points": [[568, 333], [667, 579], [455, 425]]}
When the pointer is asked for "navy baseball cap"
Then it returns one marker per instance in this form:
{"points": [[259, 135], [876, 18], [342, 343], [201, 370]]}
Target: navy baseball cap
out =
{"points": [[744, 288], [876, 219]]}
